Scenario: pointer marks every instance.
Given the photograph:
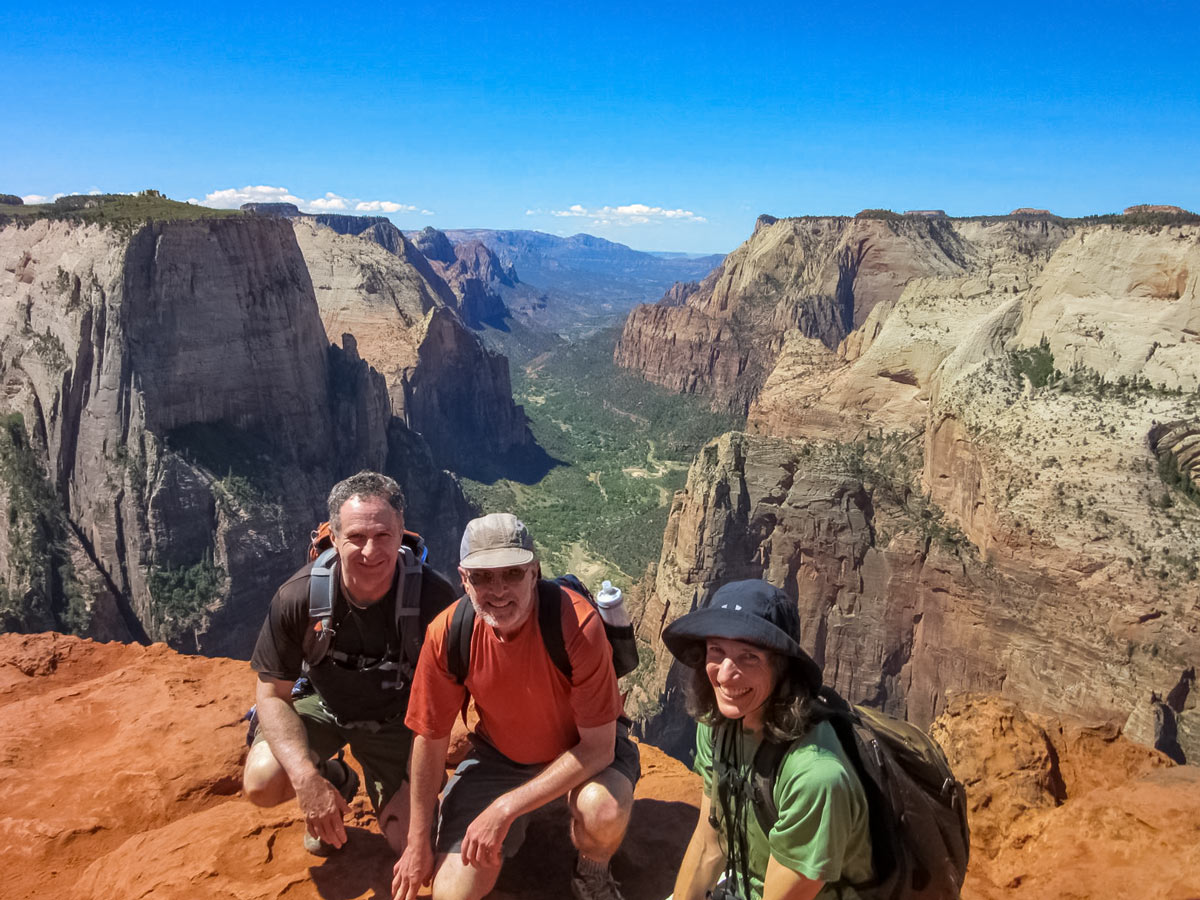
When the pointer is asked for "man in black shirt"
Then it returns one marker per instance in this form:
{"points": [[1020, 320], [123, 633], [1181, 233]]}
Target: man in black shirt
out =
{"points": [[361, 681]]}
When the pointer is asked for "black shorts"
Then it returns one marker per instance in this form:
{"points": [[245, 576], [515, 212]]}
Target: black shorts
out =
{"points": [[487, 773]]}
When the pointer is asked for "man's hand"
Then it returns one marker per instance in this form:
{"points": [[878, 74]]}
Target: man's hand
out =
{"points": [[483, 844], [412, 870], [323, 808]]}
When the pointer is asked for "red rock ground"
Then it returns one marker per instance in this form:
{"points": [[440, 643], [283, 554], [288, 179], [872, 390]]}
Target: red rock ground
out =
{"points": [[119, 774]]}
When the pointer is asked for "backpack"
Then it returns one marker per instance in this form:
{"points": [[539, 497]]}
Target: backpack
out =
{"points": [[549, 613], [322, 595], [920, 840]]}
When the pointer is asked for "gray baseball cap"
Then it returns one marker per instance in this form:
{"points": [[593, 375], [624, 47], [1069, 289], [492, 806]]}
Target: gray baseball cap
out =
{"points": [[495, 540]]}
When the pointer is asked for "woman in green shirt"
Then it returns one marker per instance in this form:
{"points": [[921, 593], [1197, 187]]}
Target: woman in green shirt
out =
{"points": [[751, 682]]}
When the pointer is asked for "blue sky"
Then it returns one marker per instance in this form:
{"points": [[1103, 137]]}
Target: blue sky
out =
{"points": [[666, 127]]}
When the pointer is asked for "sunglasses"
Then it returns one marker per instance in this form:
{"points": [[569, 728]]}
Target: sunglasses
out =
{"points": [[489, 577]]}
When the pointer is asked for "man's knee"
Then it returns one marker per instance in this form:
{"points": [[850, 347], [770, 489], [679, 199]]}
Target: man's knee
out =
{"points": [[601, 808], [263, 780]]}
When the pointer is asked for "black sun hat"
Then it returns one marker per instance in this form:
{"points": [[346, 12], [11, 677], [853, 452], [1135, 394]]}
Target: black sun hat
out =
{"points": [[753, 611]]}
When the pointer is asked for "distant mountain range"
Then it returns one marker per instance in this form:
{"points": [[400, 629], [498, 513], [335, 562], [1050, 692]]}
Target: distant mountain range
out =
{"points": [[589, 273]]}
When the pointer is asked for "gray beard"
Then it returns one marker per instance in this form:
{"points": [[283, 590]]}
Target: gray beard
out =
{"points": [[488, 619]]}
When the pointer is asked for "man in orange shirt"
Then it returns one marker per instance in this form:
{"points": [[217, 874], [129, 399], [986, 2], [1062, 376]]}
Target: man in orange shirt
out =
{"points": [[540, 734]]}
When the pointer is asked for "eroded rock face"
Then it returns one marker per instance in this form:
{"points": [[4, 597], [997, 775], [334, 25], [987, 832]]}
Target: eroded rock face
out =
{"points": [[818, 276], [900, 613], [441, 379], [1070, 496], [881, 374], [488, 290], [480, 282], [1063, 807], [188, 415]]}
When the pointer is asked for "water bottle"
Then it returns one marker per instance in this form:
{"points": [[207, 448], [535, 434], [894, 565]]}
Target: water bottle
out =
{"points": [[612, 606]]}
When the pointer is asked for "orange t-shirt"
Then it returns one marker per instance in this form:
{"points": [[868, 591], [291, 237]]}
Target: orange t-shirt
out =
{"points": [[527, 708]]}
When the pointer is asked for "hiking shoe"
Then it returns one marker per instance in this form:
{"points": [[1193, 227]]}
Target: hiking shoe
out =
{"points": [[595, 885], [345, 783], [318, 847]]}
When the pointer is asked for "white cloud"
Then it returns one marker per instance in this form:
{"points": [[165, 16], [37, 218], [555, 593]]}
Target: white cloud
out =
{"points": [[35, 198], [328, 202], [387, 206], [628, 214], [232, 198]]}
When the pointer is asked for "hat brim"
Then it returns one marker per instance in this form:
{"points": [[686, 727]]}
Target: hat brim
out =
{"points": [[683, 635], [497, 558]]}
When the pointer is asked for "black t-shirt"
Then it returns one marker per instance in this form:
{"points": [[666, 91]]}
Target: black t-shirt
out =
{"points": [[371, 632]]}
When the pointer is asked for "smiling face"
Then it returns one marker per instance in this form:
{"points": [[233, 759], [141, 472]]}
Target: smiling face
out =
{"points": [[742, 677], [503, 597], [368, 539]]}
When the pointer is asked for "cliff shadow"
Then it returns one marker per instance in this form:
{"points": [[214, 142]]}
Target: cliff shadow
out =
{"points": [[524, 465]]}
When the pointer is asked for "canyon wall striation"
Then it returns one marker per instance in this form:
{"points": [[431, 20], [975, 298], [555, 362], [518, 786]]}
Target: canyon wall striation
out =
{"points": [[173, 405]]}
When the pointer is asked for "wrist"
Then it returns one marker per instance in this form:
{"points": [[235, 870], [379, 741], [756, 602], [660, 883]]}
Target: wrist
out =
{"points": [[504, 807], [306, 774]]}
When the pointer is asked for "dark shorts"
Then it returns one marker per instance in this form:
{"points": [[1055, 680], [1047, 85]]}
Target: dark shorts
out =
{"points": [[487, 773], [381, 748]]}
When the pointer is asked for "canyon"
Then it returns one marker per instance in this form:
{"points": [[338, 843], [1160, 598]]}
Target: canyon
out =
{"points": [[971, 453], [572, 284]]}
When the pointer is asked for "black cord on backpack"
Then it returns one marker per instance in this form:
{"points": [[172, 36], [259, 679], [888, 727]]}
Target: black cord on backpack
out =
{"points": [[732, 790]]}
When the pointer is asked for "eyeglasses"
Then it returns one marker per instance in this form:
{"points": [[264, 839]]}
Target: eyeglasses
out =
{"points": [[489, 577]]}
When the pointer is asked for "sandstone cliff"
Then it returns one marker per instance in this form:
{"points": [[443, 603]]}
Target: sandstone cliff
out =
{"points": [[1057, 808], [443, 382], [990, 484], [900, 608], [180, 411], [816, 277]]}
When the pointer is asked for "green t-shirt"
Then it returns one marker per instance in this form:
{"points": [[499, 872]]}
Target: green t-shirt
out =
{"points": [[822, 830]]}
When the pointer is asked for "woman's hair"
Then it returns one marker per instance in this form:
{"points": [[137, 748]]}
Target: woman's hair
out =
{"points": [[788, 713]]}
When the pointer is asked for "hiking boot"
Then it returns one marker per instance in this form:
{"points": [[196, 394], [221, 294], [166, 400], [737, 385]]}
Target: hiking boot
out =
{"points": [[345, 781], [597, 883]]}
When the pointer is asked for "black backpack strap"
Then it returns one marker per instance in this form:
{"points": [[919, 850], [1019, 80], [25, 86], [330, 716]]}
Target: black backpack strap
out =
{"points": [[458, 640], [462, 626], [550, 601], [322, 593], [408, 607], [764, 773]]}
